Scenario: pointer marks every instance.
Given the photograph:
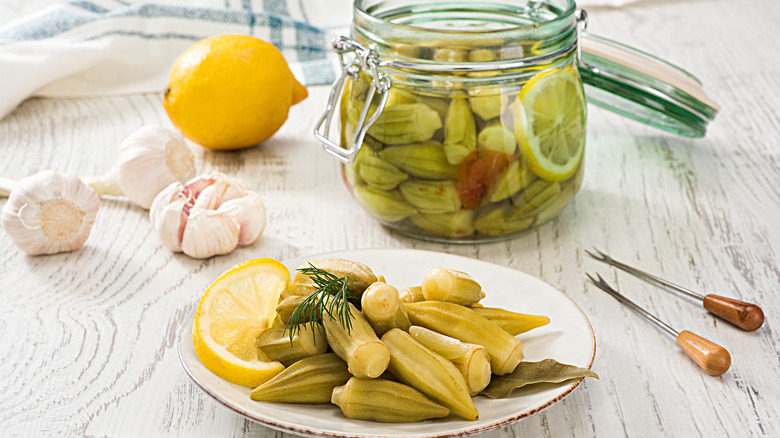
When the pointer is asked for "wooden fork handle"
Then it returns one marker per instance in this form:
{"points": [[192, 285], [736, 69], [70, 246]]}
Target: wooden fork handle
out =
{"points": [[744, 315], [709, 356]]}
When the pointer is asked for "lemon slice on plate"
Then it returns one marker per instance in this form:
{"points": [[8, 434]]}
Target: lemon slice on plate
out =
{"points": [[237, 306], [549, 117]]}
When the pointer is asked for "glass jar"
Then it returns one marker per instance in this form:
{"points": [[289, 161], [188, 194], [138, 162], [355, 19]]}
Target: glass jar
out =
{"points": [[466, 121]]}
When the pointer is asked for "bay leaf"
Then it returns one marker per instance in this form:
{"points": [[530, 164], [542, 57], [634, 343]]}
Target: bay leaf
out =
{"points": [[527, 373]]}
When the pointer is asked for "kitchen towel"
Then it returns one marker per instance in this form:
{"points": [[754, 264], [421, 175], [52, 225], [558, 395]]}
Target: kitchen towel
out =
{"points": [[110, 47]]}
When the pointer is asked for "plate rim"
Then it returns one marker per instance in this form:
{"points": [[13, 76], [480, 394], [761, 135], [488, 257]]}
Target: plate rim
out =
{"points": [[308, 432]]}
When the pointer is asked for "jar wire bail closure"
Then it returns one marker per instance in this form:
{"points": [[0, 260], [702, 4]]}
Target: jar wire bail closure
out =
{"points": [[350, 69]]}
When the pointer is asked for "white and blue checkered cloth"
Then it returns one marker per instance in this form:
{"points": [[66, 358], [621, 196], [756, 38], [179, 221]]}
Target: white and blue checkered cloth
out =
{"points": [[110, 47]]}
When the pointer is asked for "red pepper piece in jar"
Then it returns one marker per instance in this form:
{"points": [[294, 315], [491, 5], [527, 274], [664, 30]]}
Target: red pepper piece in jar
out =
{"points": [[477, 172]]}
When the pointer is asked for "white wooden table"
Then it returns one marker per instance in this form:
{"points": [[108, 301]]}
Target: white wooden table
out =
{"points": [[89, 338]]}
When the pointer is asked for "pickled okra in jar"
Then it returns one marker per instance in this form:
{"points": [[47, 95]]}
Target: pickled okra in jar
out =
{"points": [[468, 154]]}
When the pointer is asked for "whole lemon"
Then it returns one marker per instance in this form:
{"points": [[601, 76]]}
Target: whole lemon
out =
{"points": [[230, 91]]}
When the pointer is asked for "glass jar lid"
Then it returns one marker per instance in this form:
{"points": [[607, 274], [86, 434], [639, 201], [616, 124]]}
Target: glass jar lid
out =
{"points": [[642, 87]]}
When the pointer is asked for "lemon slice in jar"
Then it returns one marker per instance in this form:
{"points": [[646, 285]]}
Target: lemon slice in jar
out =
{"points": [[549, 123], [237, 306]]}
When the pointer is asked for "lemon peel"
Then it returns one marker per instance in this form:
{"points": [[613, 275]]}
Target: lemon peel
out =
{"points": [[233, 310], [230, 91]]}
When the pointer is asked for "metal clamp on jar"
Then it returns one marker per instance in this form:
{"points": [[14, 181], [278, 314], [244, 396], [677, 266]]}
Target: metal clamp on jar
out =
{"points": [[466, 121]]}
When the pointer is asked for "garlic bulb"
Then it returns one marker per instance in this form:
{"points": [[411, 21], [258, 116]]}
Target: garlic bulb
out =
{"points": [[49, 213], [209, 215], [148, 161]]}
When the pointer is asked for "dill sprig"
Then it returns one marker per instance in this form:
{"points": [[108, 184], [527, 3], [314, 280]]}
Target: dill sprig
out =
{"points": [[332, 297]]}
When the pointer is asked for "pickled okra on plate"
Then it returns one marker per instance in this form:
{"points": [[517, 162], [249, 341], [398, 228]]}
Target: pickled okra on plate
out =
{"points": [[389, 356]]}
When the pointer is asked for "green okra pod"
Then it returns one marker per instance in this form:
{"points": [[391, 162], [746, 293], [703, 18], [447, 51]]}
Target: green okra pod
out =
{"points": [[460, 131], [494, 221], [406, 50], [406, 123], [350, 172], [358, 92], [457, 224], [366, 356], [510, 181], [424, 160], [380, 174], [431, 196], [438, 104], [428, 372], [534, 199], [447, 54], [274, 343], [360, 275], [398, 96], [466, 325], [385, 401], [486, 106], [411, 294], [382, 307], [471, 360], [497, 138], [387, 206], [287, 306], [483, 55], [453, 286], [310, 380], [512, 322]]}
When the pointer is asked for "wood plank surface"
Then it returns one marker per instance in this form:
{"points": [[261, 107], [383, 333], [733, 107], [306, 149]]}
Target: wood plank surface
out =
{"points": [[89, 337]]}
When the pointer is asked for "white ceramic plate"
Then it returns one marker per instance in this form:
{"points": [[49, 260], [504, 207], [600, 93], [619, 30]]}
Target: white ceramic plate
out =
{"points": [[568, 339]]}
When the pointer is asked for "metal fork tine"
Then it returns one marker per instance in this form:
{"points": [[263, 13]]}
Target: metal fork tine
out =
{"points": [[603, 256], [607, 286], [592, 255], [643, 275], [603, 285], [600, 257]]}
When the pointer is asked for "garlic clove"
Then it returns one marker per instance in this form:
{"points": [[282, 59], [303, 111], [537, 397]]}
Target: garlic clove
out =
{"points": [[220, 191], [48, 213], [209, 233], [249, 211], [193, 188], [229, 188], [165, 197], [209, 198], [168, 215], [170, 225], [149, 160]]}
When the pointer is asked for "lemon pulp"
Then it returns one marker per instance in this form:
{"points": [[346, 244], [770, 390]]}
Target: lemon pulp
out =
{"points": [[552, 134], [234, 309]]}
